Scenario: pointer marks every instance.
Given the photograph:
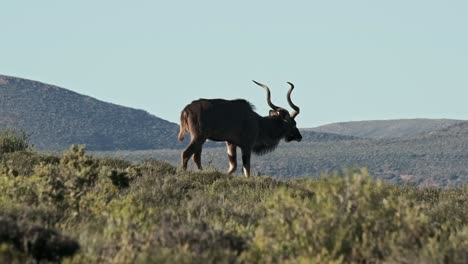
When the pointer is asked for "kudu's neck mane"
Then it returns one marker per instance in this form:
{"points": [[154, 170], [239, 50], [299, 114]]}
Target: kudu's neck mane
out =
{"points": [[271, 131]]}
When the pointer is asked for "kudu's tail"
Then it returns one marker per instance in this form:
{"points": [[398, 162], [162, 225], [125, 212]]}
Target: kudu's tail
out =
{"points": [[183, 125]]}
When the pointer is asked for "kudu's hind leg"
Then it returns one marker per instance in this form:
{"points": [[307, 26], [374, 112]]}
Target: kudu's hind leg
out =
{"points": [[194, 147], [186, 154], [197, 158], [232, 154]]}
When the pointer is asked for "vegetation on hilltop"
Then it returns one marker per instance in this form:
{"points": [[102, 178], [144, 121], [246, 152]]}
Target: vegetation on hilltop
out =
{"points": [[458, 130], [106, 210], [13, 140], [313, 136]]}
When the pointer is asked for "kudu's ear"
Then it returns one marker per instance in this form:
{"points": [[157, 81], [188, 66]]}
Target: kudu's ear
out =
{"points": [[282, 113], [273, 113]]}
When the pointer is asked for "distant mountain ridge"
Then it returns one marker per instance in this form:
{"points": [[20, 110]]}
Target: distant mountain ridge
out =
{"points": [[379, 129], [56, 117], [423, 151], [313, 136], [436, 158], [456, 130]]}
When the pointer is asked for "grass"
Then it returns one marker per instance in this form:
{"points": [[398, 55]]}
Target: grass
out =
{"points": [[103, 210]]}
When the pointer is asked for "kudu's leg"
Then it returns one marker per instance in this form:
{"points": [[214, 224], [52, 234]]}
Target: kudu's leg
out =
{"points": [[186, 154], [194, 147], [232, 154], [246, 161], [197, 158]]}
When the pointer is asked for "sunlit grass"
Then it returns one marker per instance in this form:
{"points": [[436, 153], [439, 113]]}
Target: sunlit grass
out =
{"points": [[146, 212]]}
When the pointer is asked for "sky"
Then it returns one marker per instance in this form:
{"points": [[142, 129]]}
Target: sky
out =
{"points": [[349, 60]]}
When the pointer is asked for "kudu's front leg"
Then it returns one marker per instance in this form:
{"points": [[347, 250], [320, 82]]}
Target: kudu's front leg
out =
{"points": [[246, 153]]}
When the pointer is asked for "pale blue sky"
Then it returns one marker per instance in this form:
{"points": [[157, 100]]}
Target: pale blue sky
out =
{"points": [[350, 60]]}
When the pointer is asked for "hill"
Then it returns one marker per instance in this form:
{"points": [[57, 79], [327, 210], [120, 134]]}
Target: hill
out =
{"points": [[436, 158], [378, 129], [457, 130], [56, 118], [115, 211], [313, 136]]}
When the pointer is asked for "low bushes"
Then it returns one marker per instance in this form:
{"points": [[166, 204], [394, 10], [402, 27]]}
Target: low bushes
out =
{"points": [[122, 212], [12, 140]]}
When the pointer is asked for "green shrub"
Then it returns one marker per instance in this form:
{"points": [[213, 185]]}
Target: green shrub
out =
{"points": [[24, 163], [20, 239], [125, 212], [353, 219], [12, 140]]}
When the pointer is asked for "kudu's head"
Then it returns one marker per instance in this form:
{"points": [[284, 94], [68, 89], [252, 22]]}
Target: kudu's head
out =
{"points": [[292, 133]]}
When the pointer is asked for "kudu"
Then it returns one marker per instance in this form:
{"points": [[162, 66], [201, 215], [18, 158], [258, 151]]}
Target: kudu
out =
{"points": [[235, 122]]}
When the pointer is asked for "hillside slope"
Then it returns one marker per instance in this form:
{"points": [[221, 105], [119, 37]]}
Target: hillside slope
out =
{"points": [[437, 158], [457, 130], [313, 136], [56, 117], [400, 128]]}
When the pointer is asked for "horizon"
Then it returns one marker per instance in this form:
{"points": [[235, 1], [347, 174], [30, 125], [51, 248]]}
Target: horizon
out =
{"points": [[358, 61], [177, 122]]}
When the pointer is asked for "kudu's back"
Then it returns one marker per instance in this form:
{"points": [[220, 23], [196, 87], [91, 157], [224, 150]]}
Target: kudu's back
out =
{"points": [[217, 119]]}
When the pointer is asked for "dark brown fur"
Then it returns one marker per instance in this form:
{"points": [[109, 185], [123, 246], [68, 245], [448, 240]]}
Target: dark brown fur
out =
{"points": [[235, 122]]}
